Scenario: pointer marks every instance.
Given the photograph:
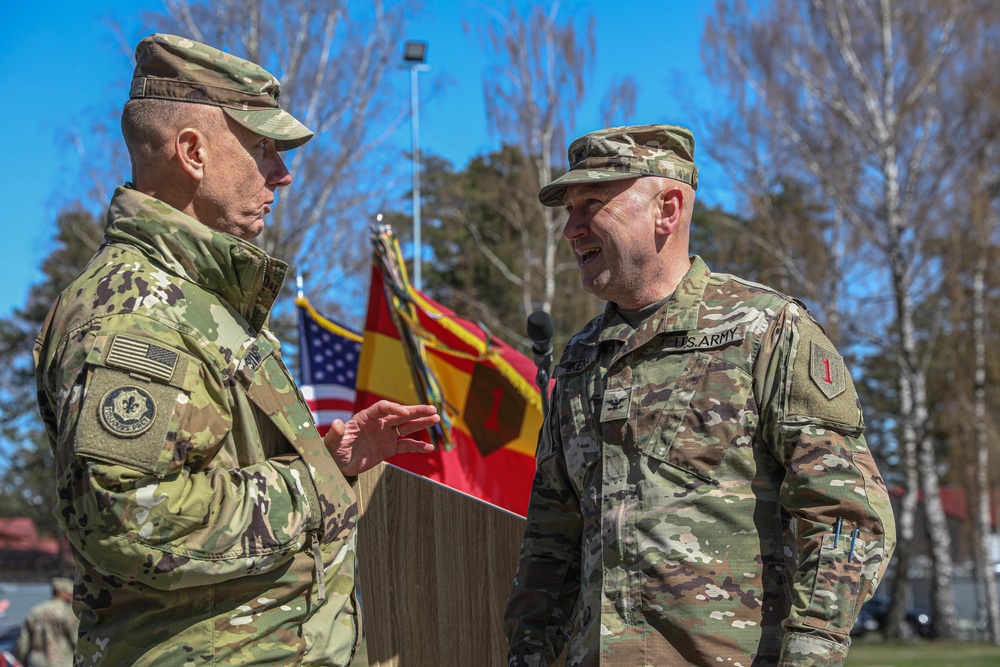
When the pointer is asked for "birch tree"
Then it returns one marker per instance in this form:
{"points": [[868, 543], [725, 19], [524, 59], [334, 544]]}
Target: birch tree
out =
{"points": [[338, 63], [336, 60], [979, 110], [848, 94], [986, 218], [541, 65]]}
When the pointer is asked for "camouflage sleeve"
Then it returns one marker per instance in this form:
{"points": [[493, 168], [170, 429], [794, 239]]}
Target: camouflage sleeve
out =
{"points": [[811, 420], [538, 617], [23, 643], [141, 493]]}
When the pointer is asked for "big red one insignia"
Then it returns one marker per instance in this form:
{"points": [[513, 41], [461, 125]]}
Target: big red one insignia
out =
{"points": [[826, 368]]}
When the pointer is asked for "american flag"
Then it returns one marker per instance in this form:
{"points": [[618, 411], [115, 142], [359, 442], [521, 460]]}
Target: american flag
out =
{"points": [[328, 359]]}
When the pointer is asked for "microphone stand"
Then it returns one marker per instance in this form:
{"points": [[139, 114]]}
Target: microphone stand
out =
{"points": [[540, 330], [544, 362]]}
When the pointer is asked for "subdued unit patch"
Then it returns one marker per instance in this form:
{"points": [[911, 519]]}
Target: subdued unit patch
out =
{"points": [[127, 411], [125, 420]]}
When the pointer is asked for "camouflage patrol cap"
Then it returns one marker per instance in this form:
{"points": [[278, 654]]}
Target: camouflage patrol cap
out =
{"points": [[168, 67], [62, 585], [631, 151]]}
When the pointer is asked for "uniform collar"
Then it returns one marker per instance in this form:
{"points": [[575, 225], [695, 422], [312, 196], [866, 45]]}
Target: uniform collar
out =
{"points": [[679, 313], [239, 272]]}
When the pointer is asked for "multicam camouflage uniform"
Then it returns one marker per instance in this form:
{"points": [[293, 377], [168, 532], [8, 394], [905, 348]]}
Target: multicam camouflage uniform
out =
{"points": [[48, 634], [690, 474], [209, 523]]}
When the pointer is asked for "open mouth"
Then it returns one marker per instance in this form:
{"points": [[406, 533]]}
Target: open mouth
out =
{"points": [[588, 255]]}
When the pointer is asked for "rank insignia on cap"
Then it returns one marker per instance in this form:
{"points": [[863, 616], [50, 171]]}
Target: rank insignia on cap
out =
{"points": [[826, 368], [127, 411]]}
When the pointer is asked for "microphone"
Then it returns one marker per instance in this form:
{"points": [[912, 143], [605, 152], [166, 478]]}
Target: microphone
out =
{"points": [[540, 331]]}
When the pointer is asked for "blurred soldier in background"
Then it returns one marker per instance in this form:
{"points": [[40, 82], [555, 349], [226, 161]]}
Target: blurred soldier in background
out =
{"points": [[48, 634]]}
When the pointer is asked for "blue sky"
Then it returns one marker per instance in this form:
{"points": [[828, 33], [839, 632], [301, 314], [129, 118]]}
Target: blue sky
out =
{"points": [[61, 63]]}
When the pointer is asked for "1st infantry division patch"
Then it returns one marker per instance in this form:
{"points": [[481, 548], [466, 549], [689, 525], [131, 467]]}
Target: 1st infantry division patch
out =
{"points": [[826, 368], [128, 411]]}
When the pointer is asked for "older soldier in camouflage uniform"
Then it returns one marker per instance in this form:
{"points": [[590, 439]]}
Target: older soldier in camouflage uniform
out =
{"points": [[704, 494], [48, 634], [210, 522]]}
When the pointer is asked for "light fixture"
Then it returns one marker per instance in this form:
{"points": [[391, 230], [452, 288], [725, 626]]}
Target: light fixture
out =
{"points": [[415, 52]]}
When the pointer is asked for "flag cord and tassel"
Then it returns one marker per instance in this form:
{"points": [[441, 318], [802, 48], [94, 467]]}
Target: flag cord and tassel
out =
{"points": [[399, 295], [389, 258], [482, 387]]}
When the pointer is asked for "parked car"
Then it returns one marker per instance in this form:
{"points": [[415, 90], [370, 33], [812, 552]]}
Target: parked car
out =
{"points": [[875, 613], [8, 637], [8, 642]]}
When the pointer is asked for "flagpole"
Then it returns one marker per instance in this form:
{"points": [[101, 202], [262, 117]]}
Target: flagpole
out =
{"points": [[298, 284]]}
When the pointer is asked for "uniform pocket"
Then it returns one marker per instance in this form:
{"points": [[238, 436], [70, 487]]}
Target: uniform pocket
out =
{"points": [[270, 387], [708, 411], [139, 401], [839, 583], [581, 441], [669, 404], [125, 420]]}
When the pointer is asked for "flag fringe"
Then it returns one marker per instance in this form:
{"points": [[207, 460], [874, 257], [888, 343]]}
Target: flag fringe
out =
{"points": [[329, 325]]}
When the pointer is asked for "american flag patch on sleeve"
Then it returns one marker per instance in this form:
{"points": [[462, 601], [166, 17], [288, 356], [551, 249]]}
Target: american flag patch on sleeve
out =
{"points": [[146, 358]]}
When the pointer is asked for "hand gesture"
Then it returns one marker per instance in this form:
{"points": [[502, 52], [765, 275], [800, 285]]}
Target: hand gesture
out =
{"points": [[378, 432]]}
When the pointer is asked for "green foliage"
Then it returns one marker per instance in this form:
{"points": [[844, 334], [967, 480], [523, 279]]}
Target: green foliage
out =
{"points": [[28, 485], [784, 240], [478, 223]]}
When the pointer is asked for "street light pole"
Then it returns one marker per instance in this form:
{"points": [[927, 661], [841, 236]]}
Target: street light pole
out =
{"points": [[415, 147], [415, 55]]}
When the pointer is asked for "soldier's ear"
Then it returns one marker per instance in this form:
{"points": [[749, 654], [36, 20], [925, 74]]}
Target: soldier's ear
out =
{"points": [[190, 151], [668, 208]]}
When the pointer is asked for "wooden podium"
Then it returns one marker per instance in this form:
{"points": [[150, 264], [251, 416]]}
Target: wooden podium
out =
{"points": [[435, 569]]}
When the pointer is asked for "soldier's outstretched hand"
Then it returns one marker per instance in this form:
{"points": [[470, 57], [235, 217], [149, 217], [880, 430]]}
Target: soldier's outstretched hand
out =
{"points": [[378, 432]]}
